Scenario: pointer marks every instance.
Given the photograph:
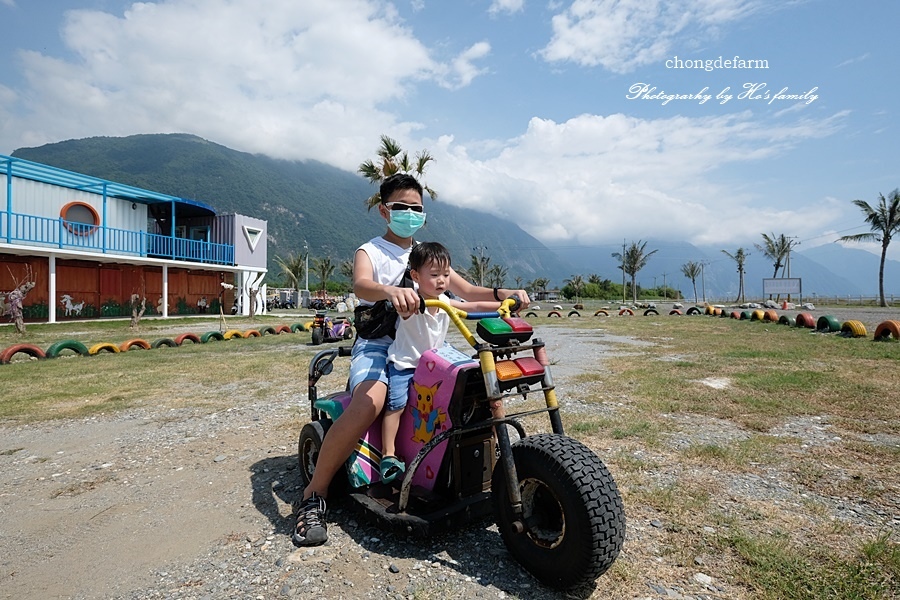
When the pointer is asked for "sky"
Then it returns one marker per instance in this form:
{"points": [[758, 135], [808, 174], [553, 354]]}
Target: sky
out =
{"points": [[586, 122]]}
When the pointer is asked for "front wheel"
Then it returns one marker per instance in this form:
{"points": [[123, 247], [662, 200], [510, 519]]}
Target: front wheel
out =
{"points": [[573, 522], [311, 437], [318, 336]]}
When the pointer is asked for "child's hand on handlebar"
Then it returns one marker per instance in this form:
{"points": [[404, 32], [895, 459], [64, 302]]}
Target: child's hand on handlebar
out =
{"points": [[405, 300]]}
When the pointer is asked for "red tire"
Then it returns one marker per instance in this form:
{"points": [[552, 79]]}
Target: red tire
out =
{"points": [[554, 313], [184, 337], [626, 311], [675, 311], [805, 319], [29, 349], [283, 329], [736, 314]]}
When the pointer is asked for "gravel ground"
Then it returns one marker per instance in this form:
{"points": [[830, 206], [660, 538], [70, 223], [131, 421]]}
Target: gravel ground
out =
{"points": [[194, 504]]}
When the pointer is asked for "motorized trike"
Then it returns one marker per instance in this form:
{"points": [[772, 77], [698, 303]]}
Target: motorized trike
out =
{"points": [[325, 329], [555, 503]]}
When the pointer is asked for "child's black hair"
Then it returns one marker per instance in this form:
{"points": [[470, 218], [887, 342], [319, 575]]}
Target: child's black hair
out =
{"points": [[398, 181], [428, 252]]}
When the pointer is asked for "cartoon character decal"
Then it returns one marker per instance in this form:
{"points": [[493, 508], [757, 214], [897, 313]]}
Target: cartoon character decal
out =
{"points": [[427, 420]]}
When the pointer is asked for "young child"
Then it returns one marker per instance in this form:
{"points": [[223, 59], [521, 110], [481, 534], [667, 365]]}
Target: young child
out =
{"points": [[429, 264]]}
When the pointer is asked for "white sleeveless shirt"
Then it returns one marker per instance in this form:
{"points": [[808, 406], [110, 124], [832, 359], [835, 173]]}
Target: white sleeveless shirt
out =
{"points": [[388, 262]]}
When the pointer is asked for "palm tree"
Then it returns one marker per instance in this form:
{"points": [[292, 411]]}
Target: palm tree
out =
{"points": [[323, 268], [393, 159], [692, 271], [635, 258], [777, 249], [293, 267], [595, 279], [577, 283], [539, 285], [740, 257], [347, 270], [884, 222], [496, 276]]}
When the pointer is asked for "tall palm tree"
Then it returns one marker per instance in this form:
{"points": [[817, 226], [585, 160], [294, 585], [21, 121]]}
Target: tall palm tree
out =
{"points": [[595, 279], [293, 267], [633, 260], [776, 249], [884, 222], [692, 271], [539, 285], [577, 283], [323, 268], [496, 276], [394, 159], [347, 270], [740, 257]]}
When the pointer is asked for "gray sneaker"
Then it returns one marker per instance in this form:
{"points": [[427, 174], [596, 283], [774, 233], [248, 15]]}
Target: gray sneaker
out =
{"points": [[310, 529]]}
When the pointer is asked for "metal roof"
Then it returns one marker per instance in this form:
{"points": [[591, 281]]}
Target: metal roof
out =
{"points": [[25, 169]]}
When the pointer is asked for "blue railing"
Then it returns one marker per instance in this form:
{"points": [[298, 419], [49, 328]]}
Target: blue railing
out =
{"points": [[58, 233]]}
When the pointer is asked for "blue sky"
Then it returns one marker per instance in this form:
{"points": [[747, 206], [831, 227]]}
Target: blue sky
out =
{"points": [[529, 107]]}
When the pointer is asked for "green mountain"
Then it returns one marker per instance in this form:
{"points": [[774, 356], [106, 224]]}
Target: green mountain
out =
{"points": [[309, 200]]}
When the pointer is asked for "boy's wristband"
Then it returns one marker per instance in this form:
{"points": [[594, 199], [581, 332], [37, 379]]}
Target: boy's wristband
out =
{"points": [[496, 295]]}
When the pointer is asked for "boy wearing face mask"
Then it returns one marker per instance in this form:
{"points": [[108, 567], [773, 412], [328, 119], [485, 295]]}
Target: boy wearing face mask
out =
{"points": [[378, 268]]}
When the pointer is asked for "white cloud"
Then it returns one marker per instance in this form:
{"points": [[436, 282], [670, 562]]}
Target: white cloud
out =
{"points": [[506, 6], [621, 35], [298, 80], [595, 178]]}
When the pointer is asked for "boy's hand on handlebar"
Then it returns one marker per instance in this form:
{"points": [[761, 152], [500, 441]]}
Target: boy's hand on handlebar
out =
{"points": [[524, 300]]}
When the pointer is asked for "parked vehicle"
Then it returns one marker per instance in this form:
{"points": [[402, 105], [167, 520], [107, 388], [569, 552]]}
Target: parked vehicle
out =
{"points": [[556, 505], [324, 329]]}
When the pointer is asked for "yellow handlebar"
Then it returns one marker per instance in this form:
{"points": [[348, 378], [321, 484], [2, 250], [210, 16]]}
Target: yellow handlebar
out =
{"points": [[457, 316]]}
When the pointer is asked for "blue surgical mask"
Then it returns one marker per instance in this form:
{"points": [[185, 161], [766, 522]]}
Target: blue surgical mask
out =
{"points": [[405, 223]]}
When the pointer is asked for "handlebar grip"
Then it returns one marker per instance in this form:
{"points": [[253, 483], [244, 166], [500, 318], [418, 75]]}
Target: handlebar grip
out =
{"points": [[345, 350], [516, 305]]}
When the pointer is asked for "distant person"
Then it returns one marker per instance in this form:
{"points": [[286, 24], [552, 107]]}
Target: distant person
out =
{"points": [[379, 266]]}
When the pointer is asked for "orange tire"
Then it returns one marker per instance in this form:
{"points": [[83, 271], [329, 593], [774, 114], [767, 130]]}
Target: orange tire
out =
{"points": [[771, 315], [736, 314], [29, 349], [675, 311], [888, 329], [283, 329], [626, 311], [252, 333], [126, 346]]}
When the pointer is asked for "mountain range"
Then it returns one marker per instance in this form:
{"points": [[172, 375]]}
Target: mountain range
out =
{"points": [[325, 207]]}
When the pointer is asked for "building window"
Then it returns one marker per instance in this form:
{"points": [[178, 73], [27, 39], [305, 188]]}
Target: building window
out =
{"points": [[80, 218]]}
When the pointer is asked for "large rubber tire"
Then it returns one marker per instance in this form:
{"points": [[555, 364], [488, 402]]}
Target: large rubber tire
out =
{"points": [[251, 333], [299, 327], [786, 320], [601, 312], [650, 311], [311, 437], [135, 343], [573, 515], [853, 329], [693, 311], [163, 343], [736, 314], [554, 313], [212, 336], [675, 312], [887, 329], [771, 315], [805, 320], [233, 333], [746, 315], [626, 312], [573, 313], [317, 336], [103, 347], [268, 329], [828, 324], [348, 333], [710, 310], [74, 345], [531, 314], [758, 315], [283, 329], [29, 349], [185, 337]]}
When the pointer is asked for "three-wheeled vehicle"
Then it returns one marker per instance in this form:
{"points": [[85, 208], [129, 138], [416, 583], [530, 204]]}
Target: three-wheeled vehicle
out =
{"points": [[555, 503]]}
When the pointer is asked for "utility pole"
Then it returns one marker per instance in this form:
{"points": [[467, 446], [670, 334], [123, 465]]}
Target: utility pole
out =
{"points": [[306, 269], [623, 271], [480, 264], [703, 279], [790, 245], [665, 290]]}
